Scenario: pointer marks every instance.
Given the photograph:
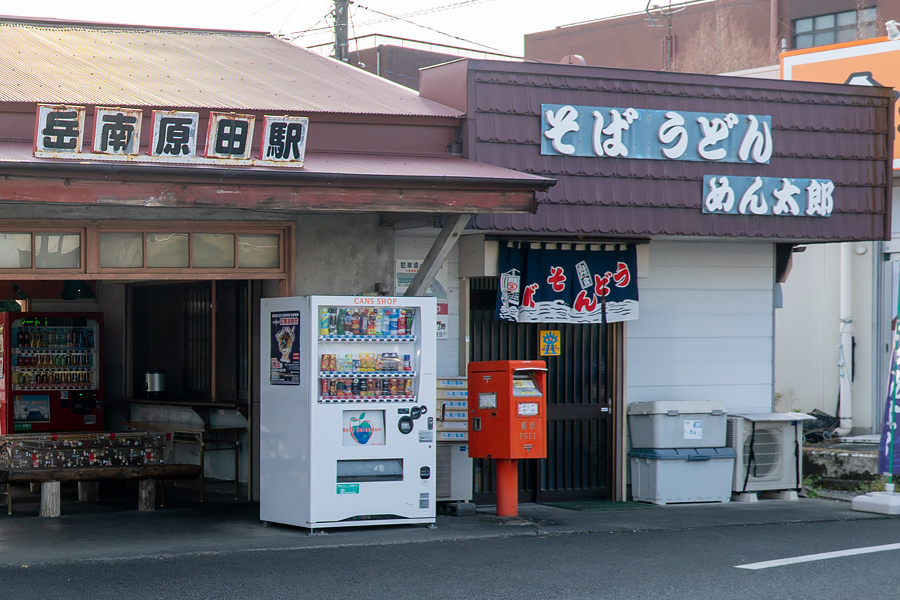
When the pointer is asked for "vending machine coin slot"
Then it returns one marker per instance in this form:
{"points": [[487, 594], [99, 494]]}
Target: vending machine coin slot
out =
{"points": [[405, 424]]}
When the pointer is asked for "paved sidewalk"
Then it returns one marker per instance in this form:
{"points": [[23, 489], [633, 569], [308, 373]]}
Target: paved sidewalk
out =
{"points": [[112, 529]]}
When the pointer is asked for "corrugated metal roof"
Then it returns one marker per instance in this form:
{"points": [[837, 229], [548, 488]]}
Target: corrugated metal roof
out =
{"points": [[821, 131], [95, 64]]}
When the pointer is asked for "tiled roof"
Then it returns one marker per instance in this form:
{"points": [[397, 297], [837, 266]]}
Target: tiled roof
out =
{"points": [[821, 131]]}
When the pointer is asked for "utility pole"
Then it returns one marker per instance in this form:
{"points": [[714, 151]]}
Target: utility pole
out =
{"points": [[666, 13], [341, 8]]}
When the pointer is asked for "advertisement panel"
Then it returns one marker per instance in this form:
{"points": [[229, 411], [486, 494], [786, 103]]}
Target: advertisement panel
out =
{"points": [[873, 62]]}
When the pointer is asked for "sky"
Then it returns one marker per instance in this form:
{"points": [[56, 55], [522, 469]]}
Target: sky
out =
{"points": [[492, 25]]}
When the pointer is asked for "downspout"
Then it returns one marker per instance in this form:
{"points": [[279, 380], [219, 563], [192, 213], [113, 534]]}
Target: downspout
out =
{"points": [[845, 352]]}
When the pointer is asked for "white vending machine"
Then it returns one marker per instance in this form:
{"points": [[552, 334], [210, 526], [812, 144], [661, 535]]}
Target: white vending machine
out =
{"points": [[347, 411]]}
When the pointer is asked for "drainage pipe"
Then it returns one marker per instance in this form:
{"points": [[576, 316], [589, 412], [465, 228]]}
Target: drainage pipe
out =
{"points": [[845, 350]]}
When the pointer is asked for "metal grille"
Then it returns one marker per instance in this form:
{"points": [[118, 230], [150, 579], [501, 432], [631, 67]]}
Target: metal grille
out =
{"points": [[442, 471], [578, 464], [244, 331], [198, 339]]}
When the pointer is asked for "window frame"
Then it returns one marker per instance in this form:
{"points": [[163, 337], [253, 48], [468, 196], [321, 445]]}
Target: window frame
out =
{"points": [[90, 233], [813, 32]]}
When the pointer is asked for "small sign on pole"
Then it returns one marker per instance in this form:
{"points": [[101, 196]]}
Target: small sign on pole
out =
{"points": [[550, 343]]}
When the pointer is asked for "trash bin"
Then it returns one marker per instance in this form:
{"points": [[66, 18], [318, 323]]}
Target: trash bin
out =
{"points": [[672, 475], [677, 424]]}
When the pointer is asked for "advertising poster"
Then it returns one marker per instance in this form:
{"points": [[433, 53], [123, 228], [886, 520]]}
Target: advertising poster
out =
{"points": [[284, 362], [404, 272], [865, 62], [32, 409], [363, 428]]}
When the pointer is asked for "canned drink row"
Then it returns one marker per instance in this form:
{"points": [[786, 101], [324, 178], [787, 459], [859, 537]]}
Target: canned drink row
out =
{"points": [[365, 362], [362, 387], [366, 321]]}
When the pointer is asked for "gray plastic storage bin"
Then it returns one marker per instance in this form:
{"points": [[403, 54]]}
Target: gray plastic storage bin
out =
{"points": [[667, 476], [677, 424]]}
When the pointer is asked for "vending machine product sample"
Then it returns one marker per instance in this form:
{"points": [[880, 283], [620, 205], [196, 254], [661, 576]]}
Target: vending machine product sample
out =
{"points": [[347, 415], [50, 372]]}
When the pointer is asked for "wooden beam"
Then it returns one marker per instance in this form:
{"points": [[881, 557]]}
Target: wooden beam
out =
{"points": [[100, 473], [436, 255], [262, 197]]}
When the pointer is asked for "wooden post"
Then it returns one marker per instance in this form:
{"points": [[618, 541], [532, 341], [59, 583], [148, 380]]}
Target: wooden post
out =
{"points": [[147, 495], [50, 499], [88, 491]]}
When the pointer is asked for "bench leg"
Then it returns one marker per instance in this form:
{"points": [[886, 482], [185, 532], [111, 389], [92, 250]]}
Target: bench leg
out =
{"points": [[88, 491], [147, 495], [50, 499]]}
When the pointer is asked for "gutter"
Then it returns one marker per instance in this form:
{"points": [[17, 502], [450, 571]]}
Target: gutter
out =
{"points": [[196, 173]]}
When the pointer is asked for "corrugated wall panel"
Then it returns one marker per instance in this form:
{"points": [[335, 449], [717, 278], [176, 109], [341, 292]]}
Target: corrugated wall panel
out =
{"points": [[706, 326]]}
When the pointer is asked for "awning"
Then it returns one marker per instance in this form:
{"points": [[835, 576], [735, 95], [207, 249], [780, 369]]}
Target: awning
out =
{"points": [[326, 183]]}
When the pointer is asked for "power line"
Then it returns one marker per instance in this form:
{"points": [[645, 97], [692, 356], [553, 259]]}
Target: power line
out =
{"points": [[425, 11], [267, 6], [398, 18], [291, 14]]}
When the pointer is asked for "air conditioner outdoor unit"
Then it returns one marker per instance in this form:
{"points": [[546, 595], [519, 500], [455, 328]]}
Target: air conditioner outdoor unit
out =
{"points": [[769, 451]]}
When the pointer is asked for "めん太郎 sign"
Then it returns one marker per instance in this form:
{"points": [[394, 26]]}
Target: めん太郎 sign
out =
{"points": [[566, 283]]}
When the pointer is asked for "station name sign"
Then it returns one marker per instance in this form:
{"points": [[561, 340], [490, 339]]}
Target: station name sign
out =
{"points": [[174, 136], [630, 133]]}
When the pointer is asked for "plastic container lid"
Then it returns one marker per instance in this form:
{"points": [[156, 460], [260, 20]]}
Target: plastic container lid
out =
{"points": [[677, 407], [691, 454]]}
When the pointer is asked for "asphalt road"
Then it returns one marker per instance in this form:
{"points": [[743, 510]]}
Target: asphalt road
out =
{"points": [[695, 564]]}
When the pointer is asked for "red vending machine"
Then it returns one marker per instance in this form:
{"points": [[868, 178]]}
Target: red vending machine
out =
{"points": [[51, 372]]}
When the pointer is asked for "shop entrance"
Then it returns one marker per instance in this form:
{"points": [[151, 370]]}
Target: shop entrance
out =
{"points": [[579, 459], [195, 333]]}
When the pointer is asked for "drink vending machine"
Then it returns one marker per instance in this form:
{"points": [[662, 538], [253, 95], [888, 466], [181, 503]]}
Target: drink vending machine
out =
{"points": [[347, 413], [51, 372]]}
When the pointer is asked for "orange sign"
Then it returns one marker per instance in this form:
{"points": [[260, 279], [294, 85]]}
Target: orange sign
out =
{"points": [[866, 62]]}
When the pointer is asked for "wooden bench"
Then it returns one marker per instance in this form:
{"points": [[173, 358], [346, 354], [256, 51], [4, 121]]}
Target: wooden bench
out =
{"points": [[50, 480], [208, 438]]}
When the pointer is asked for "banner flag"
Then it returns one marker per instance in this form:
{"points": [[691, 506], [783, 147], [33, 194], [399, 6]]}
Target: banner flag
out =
{"points": [[567, 283]]}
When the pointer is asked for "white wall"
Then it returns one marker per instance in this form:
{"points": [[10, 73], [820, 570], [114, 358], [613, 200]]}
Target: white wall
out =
{"points": [[807, 333], [705, 330]]}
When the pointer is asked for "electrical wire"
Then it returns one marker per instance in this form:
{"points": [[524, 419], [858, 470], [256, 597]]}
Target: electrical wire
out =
{"points": [[396, 18], [426, 11], [291, 14], [267, 6], [296, 34]]}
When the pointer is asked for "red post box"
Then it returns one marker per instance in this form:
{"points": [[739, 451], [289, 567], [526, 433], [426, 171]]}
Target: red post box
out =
{"points": [[508, 420]]}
